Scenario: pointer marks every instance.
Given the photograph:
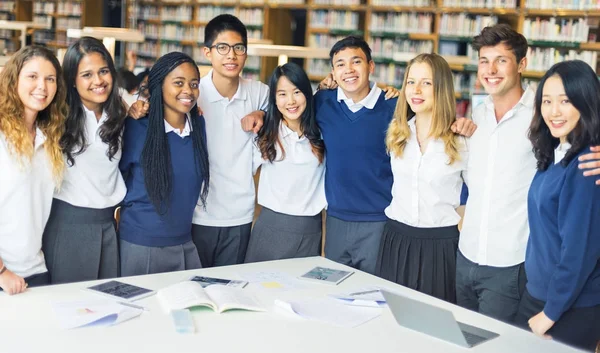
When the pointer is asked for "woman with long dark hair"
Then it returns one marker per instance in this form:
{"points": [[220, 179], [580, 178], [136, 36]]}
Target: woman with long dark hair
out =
{"points": [[291, 190], [165, 167], [562, 262], [80, 241]]}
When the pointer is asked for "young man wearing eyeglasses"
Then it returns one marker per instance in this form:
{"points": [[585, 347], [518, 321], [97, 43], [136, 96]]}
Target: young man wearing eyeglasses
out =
{"points": [[231, 105]]}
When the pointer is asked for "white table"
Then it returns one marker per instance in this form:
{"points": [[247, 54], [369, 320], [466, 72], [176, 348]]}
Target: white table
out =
{"points": [[27, 322], [22, 26]]}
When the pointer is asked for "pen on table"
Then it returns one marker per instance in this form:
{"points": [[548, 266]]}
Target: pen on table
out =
{"points": [[365, 292], [134, 306]]}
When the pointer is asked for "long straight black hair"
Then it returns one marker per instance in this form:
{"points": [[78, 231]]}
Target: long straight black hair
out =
{"points": [[268, 135], [156, 156], [583, 90], [73, 141]]}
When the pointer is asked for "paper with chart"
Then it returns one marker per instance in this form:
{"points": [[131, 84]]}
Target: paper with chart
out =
{"points": [[273, 280], [330, 311], [98, 312]]}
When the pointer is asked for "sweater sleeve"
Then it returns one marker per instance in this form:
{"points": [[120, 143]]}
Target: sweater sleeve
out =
{"points": [[131, 135], [579, 230]]}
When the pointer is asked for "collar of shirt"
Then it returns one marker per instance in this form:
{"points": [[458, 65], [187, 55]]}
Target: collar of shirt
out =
{"points": [[561, 151], [368, 102], [285, 131], [90, 115], [213, 95], [526, 101], [40, 138], [187, 129]]}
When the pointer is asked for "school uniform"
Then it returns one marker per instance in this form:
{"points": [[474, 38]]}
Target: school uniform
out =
{"points": [[221, 230], [420, 238], [80, 240], [25, 201], [291, 192], [151, 242], [563, 253], [358, 175], [490, 276]]}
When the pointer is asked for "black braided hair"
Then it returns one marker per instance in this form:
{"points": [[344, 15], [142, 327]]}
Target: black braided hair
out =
{"points": [[156, 157]]}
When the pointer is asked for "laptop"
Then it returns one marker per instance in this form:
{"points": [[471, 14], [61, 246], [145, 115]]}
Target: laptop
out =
{"points": [[434, 321]]}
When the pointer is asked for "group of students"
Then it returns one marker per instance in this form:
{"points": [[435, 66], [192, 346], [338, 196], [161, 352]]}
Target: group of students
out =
{"points": [[389, 171]]}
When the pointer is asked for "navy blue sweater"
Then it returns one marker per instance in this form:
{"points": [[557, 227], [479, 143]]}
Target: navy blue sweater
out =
{"points": [[358, 174], [140, 223], [563, 253]]}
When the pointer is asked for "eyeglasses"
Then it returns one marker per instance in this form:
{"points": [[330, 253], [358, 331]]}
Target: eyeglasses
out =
{"points": [[224, 48]]}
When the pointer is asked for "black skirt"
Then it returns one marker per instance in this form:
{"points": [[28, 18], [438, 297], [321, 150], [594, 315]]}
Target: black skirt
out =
{"points": [[423, 259]]}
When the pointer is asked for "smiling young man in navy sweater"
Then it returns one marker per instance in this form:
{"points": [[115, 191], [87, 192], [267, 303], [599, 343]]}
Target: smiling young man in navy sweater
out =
{"points": [[358, 177]]}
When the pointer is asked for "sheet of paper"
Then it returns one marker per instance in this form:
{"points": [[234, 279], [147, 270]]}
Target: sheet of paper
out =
{"points": [[272, 280], [101, 312], [330, 311], [362, 296]]}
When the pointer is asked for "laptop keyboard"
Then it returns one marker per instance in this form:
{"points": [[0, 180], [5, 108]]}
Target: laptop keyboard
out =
{"points": [[473, 339]]}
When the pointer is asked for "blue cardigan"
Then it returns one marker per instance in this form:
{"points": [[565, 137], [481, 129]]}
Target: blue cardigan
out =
{"points": [[563, 253], [358, 174], [140, 223]]}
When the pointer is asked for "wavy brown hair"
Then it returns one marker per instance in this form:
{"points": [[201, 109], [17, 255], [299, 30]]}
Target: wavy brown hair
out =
{"points": [[50, 121], [444, 110]]}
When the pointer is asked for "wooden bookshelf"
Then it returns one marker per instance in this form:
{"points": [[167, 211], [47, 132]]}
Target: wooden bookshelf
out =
{"points": [[13, 10], [63, 15]]}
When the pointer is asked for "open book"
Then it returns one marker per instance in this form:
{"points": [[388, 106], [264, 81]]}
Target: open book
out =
{"points": [[220, 298]]}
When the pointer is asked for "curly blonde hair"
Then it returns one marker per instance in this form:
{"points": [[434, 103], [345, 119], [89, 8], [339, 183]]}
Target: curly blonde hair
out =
{"points": [[50, 121], [444, 110]]}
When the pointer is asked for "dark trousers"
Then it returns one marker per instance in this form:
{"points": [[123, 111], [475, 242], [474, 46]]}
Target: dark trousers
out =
{"points": [[492, 291], [577, 327], [221, 246]]}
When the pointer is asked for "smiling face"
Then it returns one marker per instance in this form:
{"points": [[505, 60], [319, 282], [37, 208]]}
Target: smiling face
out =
{"points": [[290, 101], [37, 85], [498, 70], [419, 88], [559, 113], [180, 90], [228, 65], [351, 72], [94, 81]]}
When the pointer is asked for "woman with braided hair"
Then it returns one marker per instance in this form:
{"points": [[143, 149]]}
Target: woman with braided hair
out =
{"points": [[165, 167]]}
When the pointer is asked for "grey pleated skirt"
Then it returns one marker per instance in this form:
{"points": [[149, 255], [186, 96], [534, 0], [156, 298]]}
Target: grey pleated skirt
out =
{"points": [[423, 259], [278, 236], [143, 260], [80, 244]]}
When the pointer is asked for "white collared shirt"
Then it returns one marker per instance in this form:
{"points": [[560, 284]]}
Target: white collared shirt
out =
{"points": [[561, 151], [231, 194], [500, 169], [26, 190], [368, 102], [93, 181], [426, 189], [295, 185], [187, 128]]}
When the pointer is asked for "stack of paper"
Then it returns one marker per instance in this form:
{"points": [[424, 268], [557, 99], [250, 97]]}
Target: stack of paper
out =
{"points": [[329, 311], [96, 312], [366, 296]]}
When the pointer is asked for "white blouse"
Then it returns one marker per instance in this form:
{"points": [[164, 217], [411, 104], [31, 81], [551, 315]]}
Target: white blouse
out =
{"points": [[26, 191], [93, 181], [426, 189], [295, 185]]}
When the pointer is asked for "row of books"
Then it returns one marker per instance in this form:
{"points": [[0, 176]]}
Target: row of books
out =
{"points": [[251, 17], [386, 47], [43, 7], [207, 13], [345, 20], [556, 29], [540, 59], [414, 3], [318, 40], [7, 6], [336, 2], [64, 23], [489, 4], [42, 19], [72, 8], [563, 4], [402, 22], [176, 13], [465, 25]]}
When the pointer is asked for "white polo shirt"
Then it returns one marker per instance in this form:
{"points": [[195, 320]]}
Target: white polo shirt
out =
{"points": [[26, 191], [294, 185], [500, 169], [369, 101], [426, 189], [93, 181], [231, 194]]}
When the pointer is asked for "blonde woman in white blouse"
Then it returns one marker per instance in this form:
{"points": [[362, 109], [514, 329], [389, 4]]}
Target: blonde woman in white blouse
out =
{"points": [[420, 238]]}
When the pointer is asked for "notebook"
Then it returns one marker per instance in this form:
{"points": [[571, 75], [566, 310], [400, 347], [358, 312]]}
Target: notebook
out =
{"points": [[326, 275], [120, 291], [435, 321]]}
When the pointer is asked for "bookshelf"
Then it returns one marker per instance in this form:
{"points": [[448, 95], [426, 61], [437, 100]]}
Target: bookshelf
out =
{"points": [[12, 10], [63, 15]]}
